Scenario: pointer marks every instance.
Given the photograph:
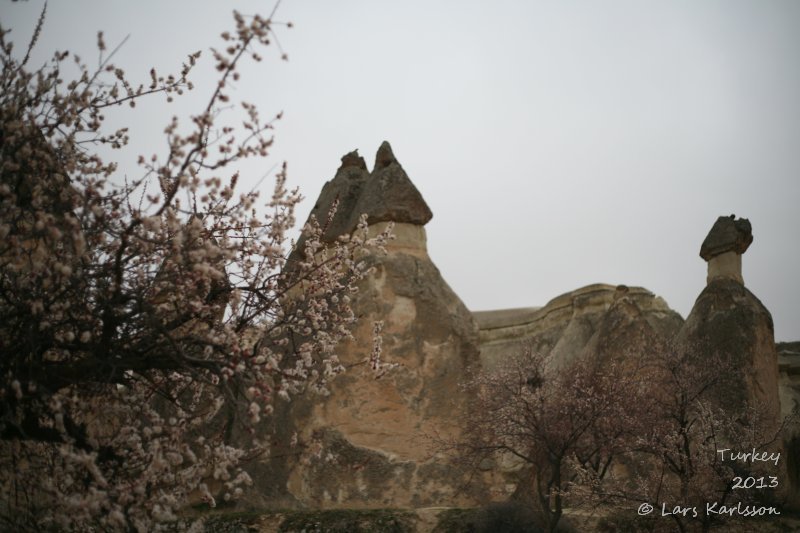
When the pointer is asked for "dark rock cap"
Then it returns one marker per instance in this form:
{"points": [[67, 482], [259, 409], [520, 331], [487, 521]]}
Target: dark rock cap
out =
{"points": [[346, 188], [727, 235], [386, 194], [389, 195]]}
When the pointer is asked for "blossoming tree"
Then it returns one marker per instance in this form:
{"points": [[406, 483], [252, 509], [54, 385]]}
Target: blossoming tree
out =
{"points": [[143, 322], [565, 423], [648, 440], [686, 451]]}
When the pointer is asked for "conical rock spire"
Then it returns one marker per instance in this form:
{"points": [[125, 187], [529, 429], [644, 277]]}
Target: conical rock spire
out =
{"points": [[386, 194]]}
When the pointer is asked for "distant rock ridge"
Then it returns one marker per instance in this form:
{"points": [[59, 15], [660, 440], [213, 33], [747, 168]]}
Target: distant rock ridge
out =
{"points": [[577, 321], [591, 297], [789, 356]]}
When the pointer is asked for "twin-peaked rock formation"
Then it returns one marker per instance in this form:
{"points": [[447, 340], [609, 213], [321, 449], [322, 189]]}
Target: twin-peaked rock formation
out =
{"points": [[385, 195], [365, 444], [373, 431]]}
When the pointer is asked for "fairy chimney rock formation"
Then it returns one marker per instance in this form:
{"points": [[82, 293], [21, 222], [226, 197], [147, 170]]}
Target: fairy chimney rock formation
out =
{"points": [[376, 436], [730, 321], [385, 195], [723, 247]]}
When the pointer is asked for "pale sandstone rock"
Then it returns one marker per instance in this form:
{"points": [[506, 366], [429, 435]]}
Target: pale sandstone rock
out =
{"points": [[727, 265], [370, 434], [375, 428], [407, 238], [575, 323]]}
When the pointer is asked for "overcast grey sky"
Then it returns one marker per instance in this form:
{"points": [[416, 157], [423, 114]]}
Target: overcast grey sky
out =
{"points": [[558, 143]]}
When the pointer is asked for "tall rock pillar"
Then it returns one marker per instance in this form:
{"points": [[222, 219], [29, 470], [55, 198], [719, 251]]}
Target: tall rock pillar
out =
{"points": [[366, 442], [730, 321]]}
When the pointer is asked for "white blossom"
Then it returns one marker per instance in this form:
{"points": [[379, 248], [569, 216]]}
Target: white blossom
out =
{"points": [[171, 281]]}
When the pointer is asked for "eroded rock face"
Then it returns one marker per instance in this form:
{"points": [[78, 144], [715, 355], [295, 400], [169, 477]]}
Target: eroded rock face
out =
{"points": [[365, 445], [346, 188], [594, 321], [431, 335], [729, 320]]}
